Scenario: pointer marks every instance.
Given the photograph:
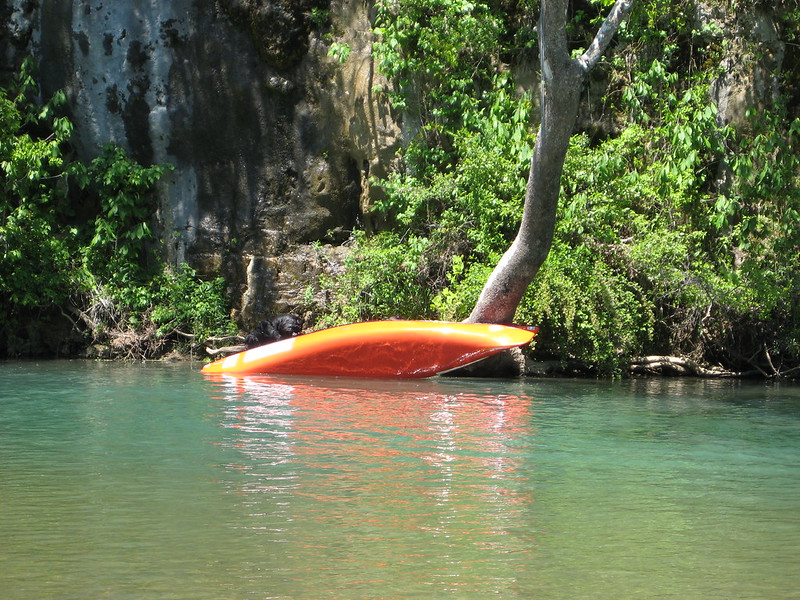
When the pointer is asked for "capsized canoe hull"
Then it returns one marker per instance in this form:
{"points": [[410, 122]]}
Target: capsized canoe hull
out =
{"points": [[382, 349]]}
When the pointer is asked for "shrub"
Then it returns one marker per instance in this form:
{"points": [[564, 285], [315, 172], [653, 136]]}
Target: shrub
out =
{"points": [[184, 303], [382, 278]]}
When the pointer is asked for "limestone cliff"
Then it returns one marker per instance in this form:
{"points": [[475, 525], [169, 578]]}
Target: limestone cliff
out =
{"points": [[272, 141]]}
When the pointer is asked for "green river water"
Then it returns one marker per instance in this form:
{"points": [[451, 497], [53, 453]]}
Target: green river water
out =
{"points": [[153, 481]]}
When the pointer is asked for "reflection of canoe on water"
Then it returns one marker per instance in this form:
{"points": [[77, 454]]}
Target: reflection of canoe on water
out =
{"points": [[378, 349]]}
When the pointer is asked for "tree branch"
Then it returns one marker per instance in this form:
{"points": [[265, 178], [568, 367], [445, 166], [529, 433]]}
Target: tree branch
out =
{"points": [[226, 338], [600, 43]]}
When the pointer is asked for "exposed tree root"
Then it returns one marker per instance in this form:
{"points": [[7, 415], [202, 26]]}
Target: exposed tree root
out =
{"points": [[677, 365]]}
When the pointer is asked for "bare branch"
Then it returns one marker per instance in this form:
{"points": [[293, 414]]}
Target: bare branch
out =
{"points": [[650, 364], [226, 338], [769, 360], [787, 371], [618, 13]]}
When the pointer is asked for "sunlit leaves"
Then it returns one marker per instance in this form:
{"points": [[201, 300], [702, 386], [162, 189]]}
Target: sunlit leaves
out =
{"points": [[121, 226], [384, 277], [47, 254], [440, 57], [464, 171], [35, 248], [181, 300]]}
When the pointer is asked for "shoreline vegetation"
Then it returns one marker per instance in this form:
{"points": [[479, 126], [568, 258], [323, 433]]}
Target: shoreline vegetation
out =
{"points": [[511, 364], [678, 229]]}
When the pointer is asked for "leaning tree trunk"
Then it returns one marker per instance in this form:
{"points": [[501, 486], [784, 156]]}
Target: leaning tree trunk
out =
{"points": [[563, 79]]}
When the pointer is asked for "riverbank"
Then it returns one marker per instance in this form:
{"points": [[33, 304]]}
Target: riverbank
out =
{"points": [[510, 364]]}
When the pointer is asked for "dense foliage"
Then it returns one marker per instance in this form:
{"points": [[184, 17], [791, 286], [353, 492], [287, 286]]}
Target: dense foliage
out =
{"points": [[677, 233], [75, 241]]}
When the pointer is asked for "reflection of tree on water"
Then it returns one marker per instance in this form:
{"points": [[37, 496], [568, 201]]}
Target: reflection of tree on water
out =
{"points": [[368, 477]]}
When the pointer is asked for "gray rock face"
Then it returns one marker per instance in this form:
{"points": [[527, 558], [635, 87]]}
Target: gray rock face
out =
{"points": [[272, 141]]}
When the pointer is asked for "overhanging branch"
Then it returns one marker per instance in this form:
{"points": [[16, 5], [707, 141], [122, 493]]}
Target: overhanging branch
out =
{"points": [[600, 43]]}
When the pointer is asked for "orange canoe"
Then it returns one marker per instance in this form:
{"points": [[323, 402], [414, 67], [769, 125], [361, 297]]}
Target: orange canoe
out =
{"points": [[378, 349]]}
